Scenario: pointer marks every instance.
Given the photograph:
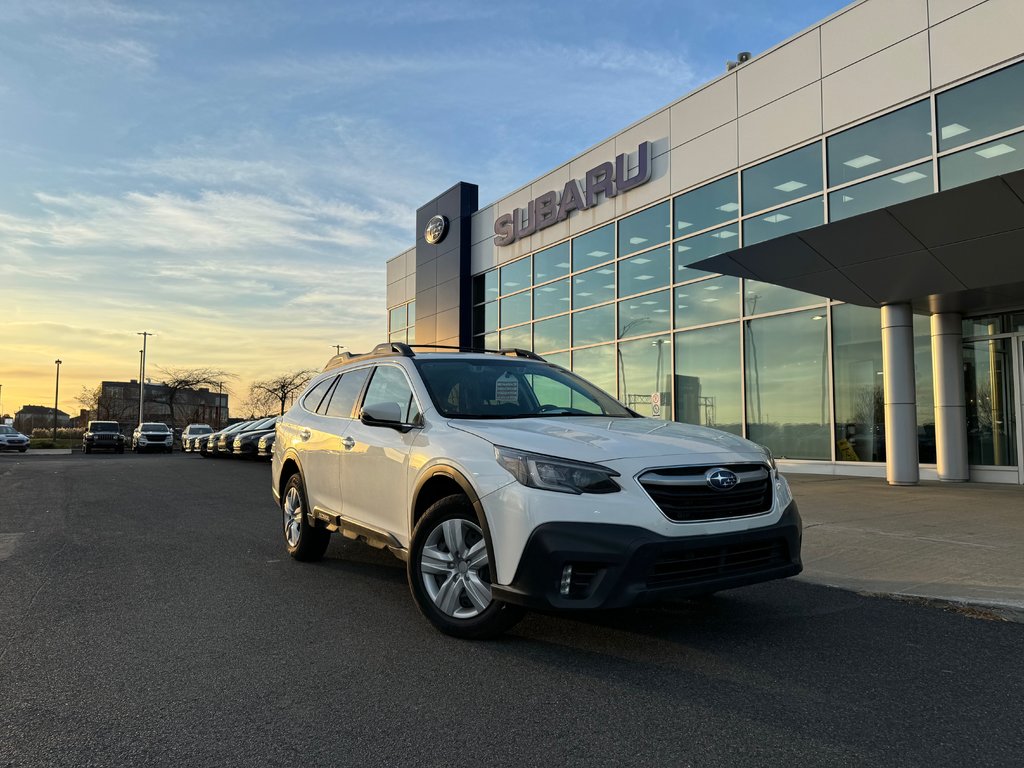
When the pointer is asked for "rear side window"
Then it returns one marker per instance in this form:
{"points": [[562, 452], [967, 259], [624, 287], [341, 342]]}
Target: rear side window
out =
{"points": [[343, 399], [389, 385], [316, 394]]}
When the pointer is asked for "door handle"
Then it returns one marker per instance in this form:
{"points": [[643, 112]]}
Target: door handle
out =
{"points": [[305, 434], [349, 443]]}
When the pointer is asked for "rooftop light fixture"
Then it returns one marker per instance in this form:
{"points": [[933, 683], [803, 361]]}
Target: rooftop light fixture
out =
{"points": [[724, 234], [729, 207], [637, 240], [999, 149], [680, 248], [644, 277], [790, 186], [951, 130], [606, 271], [598, 254], [709, 301], [683, 224], [862, 161], [640, 260], [777, 218], [712, 287], [909, 176]]}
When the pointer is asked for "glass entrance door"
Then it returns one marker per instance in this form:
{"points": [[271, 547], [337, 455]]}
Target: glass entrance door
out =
{"points": [[989, 388]]}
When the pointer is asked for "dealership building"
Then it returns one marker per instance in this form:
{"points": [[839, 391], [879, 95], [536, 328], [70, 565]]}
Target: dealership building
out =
{"points": [[821, 250]]}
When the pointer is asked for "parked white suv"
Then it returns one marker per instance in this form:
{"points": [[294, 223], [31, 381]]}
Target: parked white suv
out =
{"points": [[506, 482], [152, 436]]}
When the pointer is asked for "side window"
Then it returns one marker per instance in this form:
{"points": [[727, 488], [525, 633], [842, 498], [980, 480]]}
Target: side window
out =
{"points": [[316, 394], [389, 385], [343, 399]]}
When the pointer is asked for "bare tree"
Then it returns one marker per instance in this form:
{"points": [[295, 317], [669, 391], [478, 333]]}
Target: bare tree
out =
{"points": [[89, 399], [278, 391], [178, 379]]}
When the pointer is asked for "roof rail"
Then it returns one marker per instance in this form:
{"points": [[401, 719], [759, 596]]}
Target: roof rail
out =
{"points": [[393, 348], [517, 352]]}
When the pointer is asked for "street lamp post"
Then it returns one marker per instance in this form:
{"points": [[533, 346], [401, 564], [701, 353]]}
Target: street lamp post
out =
{"points": [[56, 394], [142, 373], [338, 347]]}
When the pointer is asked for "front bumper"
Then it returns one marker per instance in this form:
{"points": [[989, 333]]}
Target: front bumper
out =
{"points": [[620, 565]]}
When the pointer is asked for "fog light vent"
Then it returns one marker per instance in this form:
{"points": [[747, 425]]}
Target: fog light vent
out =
{"points": [[566, 584]]}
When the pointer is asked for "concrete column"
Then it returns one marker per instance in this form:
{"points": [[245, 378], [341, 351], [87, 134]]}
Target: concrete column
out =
{"points": [[901, 464], [950, 408]]}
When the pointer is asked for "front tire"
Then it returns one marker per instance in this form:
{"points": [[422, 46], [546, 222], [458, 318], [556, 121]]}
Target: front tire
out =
{"points": [[450, 570], [88, 449], [303, 540]]}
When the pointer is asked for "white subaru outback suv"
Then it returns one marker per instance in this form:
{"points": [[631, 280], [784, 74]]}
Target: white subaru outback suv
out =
{"points": [[505, 482]]}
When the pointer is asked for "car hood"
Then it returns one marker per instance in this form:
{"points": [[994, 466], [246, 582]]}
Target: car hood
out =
{"points": [[597, 439]]}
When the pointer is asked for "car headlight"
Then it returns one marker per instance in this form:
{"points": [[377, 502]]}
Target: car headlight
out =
{"points": [[782, 491], [769, 459], [552, 474]]}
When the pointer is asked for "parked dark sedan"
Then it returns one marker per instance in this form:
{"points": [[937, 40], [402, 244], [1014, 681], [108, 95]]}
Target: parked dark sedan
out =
{"points": [[246, 442], [213, 442], [265, 447]]}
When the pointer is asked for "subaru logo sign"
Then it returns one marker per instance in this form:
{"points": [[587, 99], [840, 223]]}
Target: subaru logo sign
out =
{"points": [[435, 230], [720, 479]]}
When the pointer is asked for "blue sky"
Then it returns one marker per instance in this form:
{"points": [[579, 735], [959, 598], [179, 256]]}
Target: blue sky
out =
{"points": [[234, 175]]}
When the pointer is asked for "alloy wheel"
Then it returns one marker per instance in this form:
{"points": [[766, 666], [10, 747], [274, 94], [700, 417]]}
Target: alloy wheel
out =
{"points": [[455, 569], [292, 516]]}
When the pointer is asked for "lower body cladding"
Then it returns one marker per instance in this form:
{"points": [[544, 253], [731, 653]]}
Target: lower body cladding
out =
{"points": [[593, 565]]}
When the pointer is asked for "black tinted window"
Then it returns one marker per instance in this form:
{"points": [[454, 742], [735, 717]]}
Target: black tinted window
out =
{"points": [[316, 394], [343, 399]]}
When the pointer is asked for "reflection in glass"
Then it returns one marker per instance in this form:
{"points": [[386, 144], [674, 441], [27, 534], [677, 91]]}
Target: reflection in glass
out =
{"points": [[485, 317], [787, 385], [793, 218], [398, 317], [412, 313], [485, 287], [765, 297], [596, 365], [925, 394], [988, 105], [551, 263], [857, 378], [885, 142], [515, 276], [644, 229], [645, 271], [515, 309], [878, 193], [988, 380], [558, 358], [592, 326], [593, 247], [645, 314], [401, 336], [992, 159], [695, 249], [795, 174], [707, 206], [517, 338], [593, 287], [707, 301], [551, 334], [708, 390], [645, 376], [551, 299]]}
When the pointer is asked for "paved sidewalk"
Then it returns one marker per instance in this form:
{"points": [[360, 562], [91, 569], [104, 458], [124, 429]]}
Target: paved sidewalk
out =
{"points": [[962, 542]]}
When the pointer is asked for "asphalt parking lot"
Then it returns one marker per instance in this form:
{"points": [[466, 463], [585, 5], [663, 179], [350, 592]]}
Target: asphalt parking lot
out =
{"points": [[149, 616]]}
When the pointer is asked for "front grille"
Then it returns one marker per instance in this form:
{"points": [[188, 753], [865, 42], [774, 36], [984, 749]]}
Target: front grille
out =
{"points": [[683, 494], [691, 565]]}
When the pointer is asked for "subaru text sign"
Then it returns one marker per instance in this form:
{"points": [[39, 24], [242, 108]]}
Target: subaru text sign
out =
{"points": [[606, 179]]}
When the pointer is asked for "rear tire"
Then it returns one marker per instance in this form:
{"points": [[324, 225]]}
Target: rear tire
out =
{"points": [[450, 569], [304, 540]]}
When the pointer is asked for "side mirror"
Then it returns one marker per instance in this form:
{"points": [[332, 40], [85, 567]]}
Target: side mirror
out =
{"points": [[384, 415]]}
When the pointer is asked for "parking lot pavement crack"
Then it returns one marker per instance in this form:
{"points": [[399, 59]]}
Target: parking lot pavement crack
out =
{"points": [[20, 621]]}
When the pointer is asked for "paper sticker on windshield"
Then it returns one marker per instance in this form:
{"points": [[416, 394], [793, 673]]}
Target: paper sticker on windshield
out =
{"points": [[506, 389]]}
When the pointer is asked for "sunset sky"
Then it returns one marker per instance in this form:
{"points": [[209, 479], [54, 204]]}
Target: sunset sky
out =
{"points": [[232, 176]]}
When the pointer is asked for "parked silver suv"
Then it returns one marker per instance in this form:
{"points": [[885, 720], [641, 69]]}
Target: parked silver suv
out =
{"points": [[506, 482]]}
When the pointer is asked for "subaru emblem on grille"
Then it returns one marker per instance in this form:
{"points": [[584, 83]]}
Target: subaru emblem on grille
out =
{"points": [[720, 479]]}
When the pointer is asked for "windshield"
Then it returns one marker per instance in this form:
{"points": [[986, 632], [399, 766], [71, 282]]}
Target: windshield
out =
{"points": [[105, 426], [5, 430], [267, 423], [512, 388], [200, 430], [154, 428]]}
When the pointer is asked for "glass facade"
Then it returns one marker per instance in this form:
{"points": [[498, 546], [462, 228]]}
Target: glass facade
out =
{"points": [[623, 306]]}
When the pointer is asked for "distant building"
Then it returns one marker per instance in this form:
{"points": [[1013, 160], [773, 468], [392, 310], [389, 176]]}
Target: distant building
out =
{"points": [[119, 401], [38, 417]]}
